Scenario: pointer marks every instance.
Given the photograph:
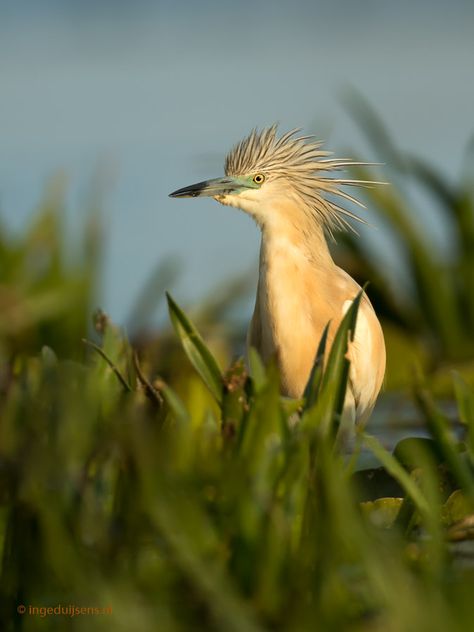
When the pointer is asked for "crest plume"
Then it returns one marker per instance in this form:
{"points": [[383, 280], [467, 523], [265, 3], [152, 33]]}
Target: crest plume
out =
{"points": [[304, 165]]}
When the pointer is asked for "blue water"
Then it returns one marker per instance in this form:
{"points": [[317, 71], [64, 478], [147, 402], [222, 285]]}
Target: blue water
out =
{"points": [[156, 93]]}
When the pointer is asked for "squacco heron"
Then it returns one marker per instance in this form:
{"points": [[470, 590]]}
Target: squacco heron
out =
{"points": [[284, 184]]}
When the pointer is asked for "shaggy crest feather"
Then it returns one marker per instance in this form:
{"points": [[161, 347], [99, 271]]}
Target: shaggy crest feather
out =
{"points": [[303, 164]]}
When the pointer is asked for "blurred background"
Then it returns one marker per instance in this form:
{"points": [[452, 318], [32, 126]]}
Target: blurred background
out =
{"points": [[149, 96]]}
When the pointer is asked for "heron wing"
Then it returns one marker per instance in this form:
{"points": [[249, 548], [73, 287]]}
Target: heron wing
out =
{"points": [[367, 356]]}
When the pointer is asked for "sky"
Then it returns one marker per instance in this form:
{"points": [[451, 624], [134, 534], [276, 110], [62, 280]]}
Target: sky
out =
{"points": [[156, 93]]}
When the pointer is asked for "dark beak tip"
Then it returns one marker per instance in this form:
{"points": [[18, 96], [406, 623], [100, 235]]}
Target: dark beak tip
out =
{"points": [[208, 188], [177, 194], [187, 192]]}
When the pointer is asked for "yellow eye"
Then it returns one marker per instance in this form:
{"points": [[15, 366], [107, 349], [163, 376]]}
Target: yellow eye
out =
{"points": [[259, 178]]}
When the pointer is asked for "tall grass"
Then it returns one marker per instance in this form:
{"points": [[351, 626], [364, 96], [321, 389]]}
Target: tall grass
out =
{"points": [[432, 304]]}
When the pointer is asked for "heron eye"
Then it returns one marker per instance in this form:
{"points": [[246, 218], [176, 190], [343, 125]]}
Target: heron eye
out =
{"points": [[259, 178]]}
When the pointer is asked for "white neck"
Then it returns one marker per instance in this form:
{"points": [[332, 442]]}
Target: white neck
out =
{"points": [[288, 233]]}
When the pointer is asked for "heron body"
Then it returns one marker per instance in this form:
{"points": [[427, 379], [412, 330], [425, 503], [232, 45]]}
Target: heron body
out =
{"points": [[282, 184]]}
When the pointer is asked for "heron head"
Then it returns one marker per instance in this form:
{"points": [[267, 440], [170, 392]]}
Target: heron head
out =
{"points": [[268, 175], [253, 182]]}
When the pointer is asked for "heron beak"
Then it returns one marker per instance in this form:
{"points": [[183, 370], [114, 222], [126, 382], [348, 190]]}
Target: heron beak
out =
{"points": [[211, 188]]}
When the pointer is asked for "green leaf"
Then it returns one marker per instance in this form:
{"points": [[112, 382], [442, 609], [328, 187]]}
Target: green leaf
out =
{"points": [[257, 369], [175, 404], [313, 386], [456, 508], [382, 512], [396, 470], [196, 350], [465, 400], [439, 427], [337, 370]]}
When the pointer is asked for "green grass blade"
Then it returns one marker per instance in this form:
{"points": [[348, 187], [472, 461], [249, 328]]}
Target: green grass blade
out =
{"points": [[174, 403], [396, 470], [314, 382], [196, 350], [337, 370]]}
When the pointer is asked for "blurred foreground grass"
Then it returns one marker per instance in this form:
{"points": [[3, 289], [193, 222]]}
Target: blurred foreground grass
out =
{"points": [[180, 496]]}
